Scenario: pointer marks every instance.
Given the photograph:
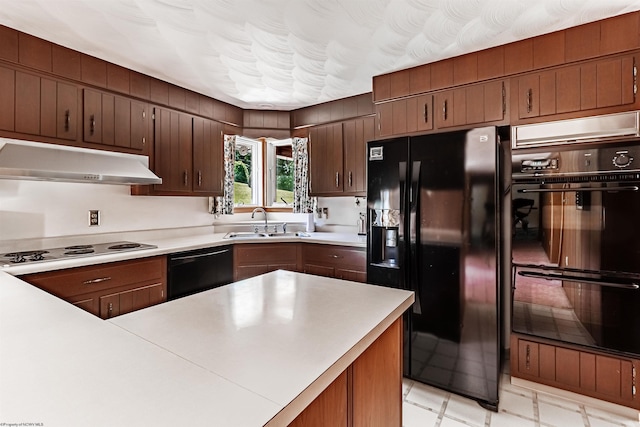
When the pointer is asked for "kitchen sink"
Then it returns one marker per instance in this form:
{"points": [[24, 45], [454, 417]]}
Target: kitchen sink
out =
{"points": [[252, 235]]}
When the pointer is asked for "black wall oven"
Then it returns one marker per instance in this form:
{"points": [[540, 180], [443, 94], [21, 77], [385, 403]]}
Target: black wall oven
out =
{"points": [[576, 246]]}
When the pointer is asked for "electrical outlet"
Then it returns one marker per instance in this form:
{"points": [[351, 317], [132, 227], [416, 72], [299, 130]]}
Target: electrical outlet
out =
{"points": [[325, 212], [94, 218]]}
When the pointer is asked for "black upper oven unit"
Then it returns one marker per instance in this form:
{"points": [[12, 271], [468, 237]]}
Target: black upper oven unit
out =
{"points": [[576, 245]]}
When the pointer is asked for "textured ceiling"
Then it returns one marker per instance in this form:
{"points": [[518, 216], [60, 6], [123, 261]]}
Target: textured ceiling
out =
{"points": [[286, 54]]}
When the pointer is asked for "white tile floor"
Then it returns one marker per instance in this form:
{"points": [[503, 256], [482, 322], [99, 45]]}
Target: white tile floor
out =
{"points": [[426, 406]]}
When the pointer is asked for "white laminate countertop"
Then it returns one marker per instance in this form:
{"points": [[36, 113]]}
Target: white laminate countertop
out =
{"points": [[252, 353], [165, 245]]}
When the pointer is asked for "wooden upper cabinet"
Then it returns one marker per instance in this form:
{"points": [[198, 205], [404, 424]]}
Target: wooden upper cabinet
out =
{"points": [[8, 44], [620, 33], [549, 50], [139, 85], [381, 88], [27, 103], [420, 113], [48, 107], [465, 69], [139, 125], [158, 91], [177, 97], [118, 79], [192, 102], [66, 62], [582, 42], [615, 84], [356, 133], [399, 84], [442, 74], [7, 100], [443, 109], [384, 117], [420, 79], [208, 147], [491, 63], [173, 150], [94, 71], [34, 52], [326, 159], [518, 57]]}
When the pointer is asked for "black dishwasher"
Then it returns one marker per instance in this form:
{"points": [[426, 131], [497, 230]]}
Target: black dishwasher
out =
{"points": [[195, 271]]}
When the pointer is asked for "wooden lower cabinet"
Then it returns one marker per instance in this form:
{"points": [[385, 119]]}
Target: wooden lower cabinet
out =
{"points": [[253, 259], [340, 262], [602, 376], [108, 290], [368, 393]]}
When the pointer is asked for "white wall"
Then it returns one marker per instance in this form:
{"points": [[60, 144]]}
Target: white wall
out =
{"points": [[36, 209], [343, 213]]}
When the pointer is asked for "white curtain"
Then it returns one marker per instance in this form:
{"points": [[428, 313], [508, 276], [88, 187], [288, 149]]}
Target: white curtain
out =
{"points": [[229, 173], [302, 203]]}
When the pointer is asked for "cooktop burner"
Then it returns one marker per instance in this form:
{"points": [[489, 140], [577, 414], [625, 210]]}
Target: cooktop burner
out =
{"points": [[73, 251]]}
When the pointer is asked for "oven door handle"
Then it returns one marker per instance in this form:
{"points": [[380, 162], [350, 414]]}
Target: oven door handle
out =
{"points": [[590, 189], [191, 258], [551, 276]]}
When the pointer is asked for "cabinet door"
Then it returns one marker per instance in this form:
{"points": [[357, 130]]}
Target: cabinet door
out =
{"points": [[495, 101], [615, 82], [122, 123], [172, 149], [48, 107], [108, 119], [326, 159], [568, 89], [356, 133], [138, 125], [67, 111], [385, 119], [92, 116], [7, 100], [27, 103], [419, 111], [528, 96], [399, 117], [207, 156], [443, 109]]}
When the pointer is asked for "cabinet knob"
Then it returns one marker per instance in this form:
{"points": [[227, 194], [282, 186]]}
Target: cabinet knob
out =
{"points": [[92, 124], [199, 178], [186, 178], [528, 357], [444, 110], [426, 112], [529, 100], [337, 179], [350, 179]]}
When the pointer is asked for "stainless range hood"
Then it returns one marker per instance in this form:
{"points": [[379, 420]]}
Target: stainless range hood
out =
{"points": [[604, 128], [51, 162]]}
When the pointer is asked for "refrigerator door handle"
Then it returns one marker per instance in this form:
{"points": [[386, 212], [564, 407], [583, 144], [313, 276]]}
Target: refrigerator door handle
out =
{"points": [[414, 202]]}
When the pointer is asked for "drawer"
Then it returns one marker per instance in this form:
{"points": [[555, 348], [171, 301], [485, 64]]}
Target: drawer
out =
{"points": [[355, 258], [82, 280]]}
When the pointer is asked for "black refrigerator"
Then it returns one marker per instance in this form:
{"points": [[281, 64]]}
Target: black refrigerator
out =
{"points": [[434, 218]]}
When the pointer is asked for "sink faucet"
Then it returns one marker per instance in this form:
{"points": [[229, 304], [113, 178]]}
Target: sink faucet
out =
{"points": [[265, 216]]}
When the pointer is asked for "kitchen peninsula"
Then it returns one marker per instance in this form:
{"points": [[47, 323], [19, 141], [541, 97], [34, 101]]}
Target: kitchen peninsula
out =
{"points": [[253, 353]]}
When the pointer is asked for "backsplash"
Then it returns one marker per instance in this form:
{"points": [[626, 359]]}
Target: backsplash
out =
{"points": [[41, 209]]}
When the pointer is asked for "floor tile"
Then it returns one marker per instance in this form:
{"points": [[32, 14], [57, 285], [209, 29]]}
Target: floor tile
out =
{"points": [[516, 404], [599, 415], [552, 415], [426, 396], [598, 422], [449, 422], [503, 419], [558, 401], [466, 410], [414, 416]]}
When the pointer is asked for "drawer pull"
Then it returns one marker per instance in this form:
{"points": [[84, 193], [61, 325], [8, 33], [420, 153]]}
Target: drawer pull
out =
{"points": [[335, 256], [98, 280]]}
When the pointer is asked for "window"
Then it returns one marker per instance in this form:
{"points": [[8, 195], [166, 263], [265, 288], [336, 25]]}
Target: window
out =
{"points": [[280, 173], [259, 182], [247, 187]]}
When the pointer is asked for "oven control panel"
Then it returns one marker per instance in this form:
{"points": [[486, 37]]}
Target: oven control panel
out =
{"points": [[528, 165]]}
